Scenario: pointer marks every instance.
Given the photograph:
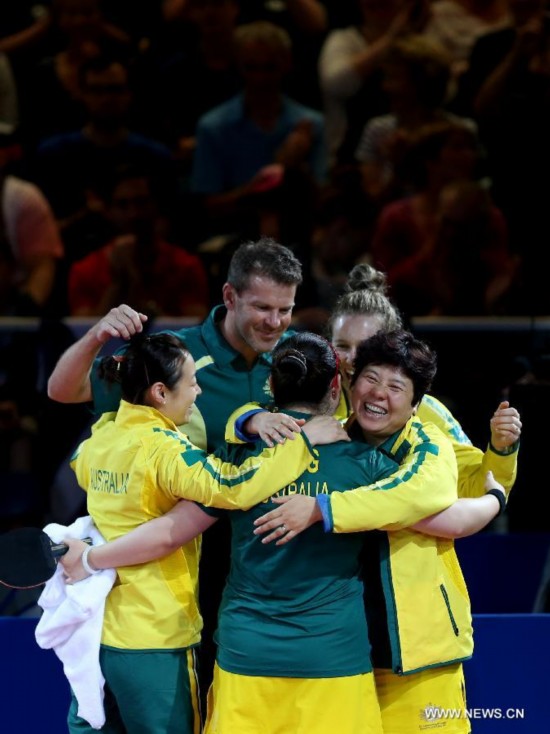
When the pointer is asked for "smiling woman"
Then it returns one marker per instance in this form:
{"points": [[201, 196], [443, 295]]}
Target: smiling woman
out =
{"points": [[393, 371], [360, 312], [382, 399]]}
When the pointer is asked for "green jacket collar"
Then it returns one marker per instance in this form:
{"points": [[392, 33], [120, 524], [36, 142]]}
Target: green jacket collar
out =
{"points": [[219, 349]]}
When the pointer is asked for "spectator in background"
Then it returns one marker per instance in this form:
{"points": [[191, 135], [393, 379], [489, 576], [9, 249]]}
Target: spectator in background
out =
{"points": [[457, 24], [78, 31], [72, 165], [261, 126], [350, 73], [466, 270], [415, 77], [306, 22], [138, 266], [439, 154], [201, 68], [30, 243], [507, 90], [258, 141]]}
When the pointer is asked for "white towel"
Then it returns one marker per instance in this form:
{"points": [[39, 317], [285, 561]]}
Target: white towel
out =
{"points": [[72, 622]]}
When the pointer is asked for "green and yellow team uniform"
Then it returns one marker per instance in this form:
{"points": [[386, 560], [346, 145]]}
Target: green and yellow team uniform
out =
{"points": [[416, 600], [398, 604], [293, 648], [402, 605], [227, 381], [135, 466], [223, 374]]}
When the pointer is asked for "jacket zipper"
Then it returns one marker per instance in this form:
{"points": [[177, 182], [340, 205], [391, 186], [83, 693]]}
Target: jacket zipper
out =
{"points": [[449, 610]]}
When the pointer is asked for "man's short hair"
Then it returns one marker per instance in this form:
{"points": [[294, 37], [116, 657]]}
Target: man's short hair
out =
{"points": [[266, 258], [264, 32]]}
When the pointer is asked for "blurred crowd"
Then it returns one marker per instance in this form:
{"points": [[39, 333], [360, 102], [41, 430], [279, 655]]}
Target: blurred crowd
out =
{"points": [[140, 143]]}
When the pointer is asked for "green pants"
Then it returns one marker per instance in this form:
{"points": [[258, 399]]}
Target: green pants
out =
{"points": [[146, 693]]}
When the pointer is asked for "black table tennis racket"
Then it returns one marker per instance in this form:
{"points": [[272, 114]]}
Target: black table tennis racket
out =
{"points": [[28, 557]]}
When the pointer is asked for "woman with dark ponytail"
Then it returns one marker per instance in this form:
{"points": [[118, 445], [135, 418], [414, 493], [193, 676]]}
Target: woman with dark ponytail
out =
{"points": [[136, 466]]}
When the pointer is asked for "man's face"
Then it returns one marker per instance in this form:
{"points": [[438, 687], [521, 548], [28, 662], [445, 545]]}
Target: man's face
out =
{"points": [[259, 315], [262, 66], [106, 93], [382, 401], [132, 209]]}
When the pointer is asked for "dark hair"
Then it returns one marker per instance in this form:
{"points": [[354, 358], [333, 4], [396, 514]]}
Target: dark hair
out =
{"points": [[428, 65], [106, 187], [148, 359], [426, 144], [266, 258], [365, 295], [303, 368], [270, 35], [399, 349]]}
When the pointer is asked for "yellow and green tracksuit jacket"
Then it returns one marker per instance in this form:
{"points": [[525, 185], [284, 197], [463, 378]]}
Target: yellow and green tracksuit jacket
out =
{"points": [[416, 598], [417, 604], [135, 466], [409, 589]]}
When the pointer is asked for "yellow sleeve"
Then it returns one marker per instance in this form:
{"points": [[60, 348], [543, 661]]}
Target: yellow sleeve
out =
{"points": [[424, 484], [473, 468], [251, 475], [230, 434], [473, 464]]}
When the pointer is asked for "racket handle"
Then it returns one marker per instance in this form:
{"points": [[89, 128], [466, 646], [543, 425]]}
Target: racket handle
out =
{"points": [[59, 549]]}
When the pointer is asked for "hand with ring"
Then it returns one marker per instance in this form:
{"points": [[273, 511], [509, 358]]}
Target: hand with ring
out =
{"points": [[294, 515]]}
